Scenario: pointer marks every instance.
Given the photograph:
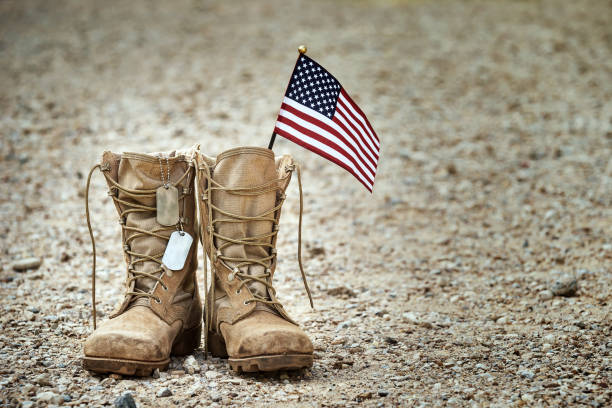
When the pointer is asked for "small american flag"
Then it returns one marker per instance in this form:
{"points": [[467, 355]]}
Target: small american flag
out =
{"points": [[319, 115]]}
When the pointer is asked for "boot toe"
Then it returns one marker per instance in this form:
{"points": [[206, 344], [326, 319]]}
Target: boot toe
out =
{"points": [[265, 335], [134, 335]]}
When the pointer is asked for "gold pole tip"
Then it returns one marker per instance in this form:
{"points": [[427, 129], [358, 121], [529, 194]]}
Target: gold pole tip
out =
{"points": [[302, 49]]}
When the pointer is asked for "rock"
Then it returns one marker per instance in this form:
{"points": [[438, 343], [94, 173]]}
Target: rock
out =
{"points": [[546, 347], [344, 325], [177, 373], [116, 376], [43, 379], [338, 340], [341, 291], [155, 373], [165, 392], [383, 393], [211, 375], [125, 401], [364, 395], [191, 365], [107, 381], [26, 263], [49, 397], [527, 374], [215, 396], [565, 286], [545, 295], [502, 320]]}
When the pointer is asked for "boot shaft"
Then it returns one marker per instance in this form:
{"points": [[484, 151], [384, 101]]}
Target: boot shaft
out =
{"points": [[242, 196], [133, 179]]}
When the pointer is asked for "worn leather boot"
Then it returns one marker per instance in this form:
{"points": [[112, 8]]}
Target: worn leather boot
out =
{"points": [[241, 195], [161, 313]]}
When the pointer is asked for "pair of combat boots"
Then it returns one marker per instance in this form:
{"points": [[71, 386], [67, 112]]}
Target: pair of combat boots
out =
{"points": [[166, 204]]}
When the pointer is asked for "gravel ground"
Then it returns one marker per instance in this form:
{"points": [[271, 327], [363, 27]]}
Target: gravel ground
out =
{"points": [[477, 274]]}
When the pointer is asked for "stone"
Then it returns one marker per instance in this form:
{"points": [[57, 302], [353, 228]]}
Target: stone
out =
{"points": [[545, 295], [364, 395], [43, 379], [164, 392], [546, 347], [338, 340], [215, 396], [565, 286], [155, 373], [211, 375], [49, 397], [107, 382], [26, 263], [125, 401], [191, 365], [527, 374], [383, 393]]}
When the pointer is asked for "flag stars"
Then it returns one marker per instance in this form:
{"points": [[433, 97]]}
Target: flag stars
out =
{"points": [[312, 86]]}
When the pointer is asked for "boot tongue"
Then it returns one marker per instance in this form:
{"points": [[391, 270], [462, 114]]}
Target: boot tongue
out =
{"points": [[143, 173], [245, 167]]}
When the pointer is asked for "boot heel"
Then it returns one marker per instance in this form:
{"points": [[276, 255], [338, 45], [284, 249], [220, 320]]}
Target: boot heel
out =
{"points": [[216, 345], [187, 341]]}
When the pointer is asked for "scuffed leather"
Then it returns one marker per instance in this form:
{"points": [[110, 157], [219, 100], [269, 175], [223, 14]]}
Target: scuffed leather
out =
{"points": [[142, 329], [252, 329], [137, 334], [264, 333]]}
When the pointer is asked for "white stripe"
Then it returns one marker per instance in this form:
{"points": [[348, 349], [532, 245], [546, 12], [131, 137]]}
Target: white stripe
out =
{"points": [[315, 143], [316, 129], [328, 122], [342, 117], [360, 117]]}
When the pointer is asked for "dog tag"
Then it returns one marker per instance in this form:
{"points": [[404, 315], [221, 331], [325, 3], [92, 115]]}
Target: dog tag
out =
{"points": [[177, 250], [167, 206]]}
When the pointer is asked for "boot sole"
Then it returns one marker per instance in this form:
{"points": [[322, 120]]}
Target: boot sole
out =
{"points": [[271, 363], [277, 362], [185, 343]]}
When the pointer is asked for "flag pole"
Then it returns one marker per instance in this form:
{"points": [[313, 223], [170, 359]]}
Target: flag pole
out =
{"points": [[302, 50]]}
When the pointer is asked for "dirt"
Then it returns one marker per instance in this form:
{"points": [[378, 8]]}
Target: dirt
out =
{"points": [[494, 190]]}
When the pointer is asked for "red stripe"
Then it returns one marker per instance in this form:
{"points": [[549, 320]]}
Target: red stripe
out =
{"points": [[354, 105], [337, 122], [325, 126], [355, 132], [321, 153], [326, 142], [358, 126]]}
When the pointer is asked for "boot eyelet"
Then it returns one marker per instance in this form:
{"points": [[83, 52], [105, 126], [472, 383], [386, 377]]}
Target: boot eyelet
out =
{"points": [[238, 291], [230, 277], [246, 302], [164, 288], [157, 300]]}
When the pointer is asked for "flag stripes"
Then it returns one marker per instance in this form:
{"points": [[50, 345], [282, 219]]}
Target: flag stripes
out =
{"points": [[300, 121], [318, 114]]}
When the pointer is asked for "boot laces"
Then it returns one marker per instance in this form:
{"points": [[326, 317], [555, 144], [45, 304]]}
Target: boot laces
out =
{"points": [[134, 257], [262, 240]]}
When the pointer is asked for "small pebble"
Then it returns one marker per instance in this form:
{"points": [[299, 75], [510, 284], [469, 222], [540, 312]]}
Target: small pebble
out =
{"points": [[49, 397], [125, 401], [565, 286], [165, 392], [26, 263], [545, 295]]}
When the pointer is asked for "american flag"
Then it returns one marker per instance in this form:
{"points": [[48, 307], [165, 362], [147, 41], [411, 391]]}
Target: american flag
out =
{"points": [[319, 115]]}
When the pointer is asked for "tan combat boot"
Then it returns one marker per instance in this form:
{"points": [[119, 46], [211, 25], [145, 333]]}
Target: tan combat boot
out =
{"points": [[241, 196], [161, 313]]}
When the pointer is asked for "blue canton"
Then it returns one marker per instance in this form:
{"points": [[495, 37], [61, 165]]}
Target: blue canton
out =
{"points": [[314, 87]]}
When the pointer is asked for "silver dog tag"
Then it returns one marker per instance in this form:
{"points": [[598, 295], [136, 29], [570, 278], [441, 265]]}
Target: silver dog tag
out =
{"points": [[167, 206], [177, 250]]}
